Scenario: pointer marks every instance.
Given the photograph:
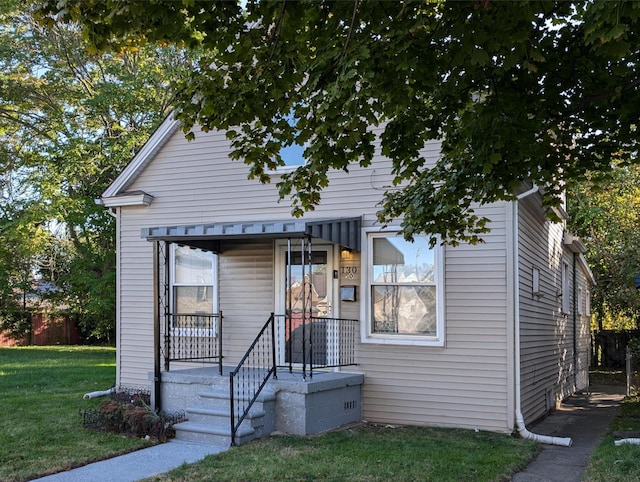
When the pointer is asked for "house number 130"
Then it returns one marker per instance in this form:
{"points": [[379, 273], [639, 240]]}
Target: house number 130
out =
{"points": [[349, 272]]}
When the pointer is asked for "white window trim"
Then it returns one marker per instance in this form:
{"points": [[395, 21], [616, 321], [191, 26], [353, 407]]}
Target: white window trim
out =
{"points": [[365, 311], [205, 332], [566, 288], [282, 170], [580, 300]]}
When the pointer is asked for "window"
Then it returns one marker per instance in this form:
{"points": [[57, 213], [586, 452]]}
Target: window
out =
{"points": [[580, 301], [404, 293], [566, 287], [535, 282], [194, 299]]}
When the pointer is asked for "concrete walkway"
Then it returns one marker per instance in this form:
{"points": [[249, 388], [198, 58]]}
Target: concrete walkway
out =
{"points": [[139, 464], [585, 417]]}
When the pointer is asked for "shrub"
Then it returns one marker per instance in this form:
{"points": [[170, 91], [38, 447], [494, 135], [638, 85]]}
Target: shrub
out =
{"points": [[130, 414], [17, 325]]}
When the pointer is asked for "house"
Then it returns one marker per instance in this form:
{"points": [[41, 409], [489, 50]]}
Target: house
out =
{"points": [[356, 322]]}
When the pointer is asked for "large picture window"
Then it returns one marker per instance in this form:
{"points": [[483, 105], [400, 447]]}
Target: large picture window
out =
{"points": [[404, 292], [194, 298]]}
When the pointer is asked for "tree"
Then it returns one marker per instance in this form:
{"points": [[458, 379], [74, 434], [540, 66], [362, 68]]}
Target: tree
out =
{"points": [[538, 91], [69, 122], [608, 219]]}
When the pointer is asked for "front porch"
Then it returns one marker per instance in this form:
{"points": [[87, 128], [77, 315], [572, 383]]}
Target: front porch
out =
{"points": [[289, 404], [282, 379], [231, 405]]}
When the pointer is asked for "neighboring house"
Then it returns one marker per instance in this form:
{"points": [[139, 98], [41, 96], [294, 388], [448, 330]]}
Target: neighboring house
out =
{"points": [[447, 336]]}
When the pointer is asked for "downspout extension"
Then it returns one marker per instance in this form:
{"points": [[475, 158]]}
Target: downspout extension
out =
{"points": [[520, 424], [100, 393], [630, 441], [545, 439]]}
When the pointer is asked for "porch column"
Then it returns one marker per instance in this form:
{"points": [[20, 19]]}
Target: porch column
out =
{"points": [[289, 307], [160, 317], [156, 331]]}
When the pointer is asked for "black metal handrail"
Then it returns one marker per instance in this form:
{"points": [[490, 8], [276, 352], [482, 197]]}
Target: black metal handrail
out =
{"points": [[193, 337], [313, 342], [251, 375]]}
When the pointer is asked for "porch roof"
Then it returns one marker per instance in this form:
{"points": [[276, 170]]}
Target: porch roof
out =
{"points": [[343, 231]]}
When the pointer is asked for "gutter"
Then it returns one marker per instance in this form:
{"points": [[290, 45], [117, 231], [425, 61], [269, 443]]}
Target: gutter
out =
{"points": [[520, 423]]}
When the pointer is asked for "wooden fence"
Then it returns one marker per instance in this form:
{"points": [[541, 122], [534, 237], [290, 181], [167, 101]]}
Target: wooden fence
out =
{"points": [[47, 329]]}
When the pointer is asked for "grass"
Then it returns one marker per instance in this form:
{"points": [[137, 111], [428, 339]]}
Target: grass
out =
{"points": [[41, 399], [607, 376], [617, 464], [367, 453], [41, 391]]}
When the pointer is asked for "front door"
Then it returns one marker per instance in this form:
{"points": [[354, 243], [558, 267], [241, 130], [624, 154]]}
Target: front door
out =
{"points": [[305, 300]]}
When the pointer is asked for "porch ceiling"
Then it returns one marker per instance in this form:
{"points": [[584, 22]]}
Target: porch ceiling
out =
{"points": [[344, 231]]}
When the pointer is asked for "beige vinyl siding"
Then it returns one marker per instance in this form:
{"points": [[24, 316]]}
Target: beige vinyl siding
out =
{"points": [[195, 182], [465, 383], [136, 302], [547, 355], [246, 294], [349, 309]]}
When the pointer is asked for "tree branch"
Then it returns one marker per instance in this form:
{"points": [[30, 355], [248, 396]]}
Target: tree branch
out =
{"points": [[602, 96], [276, 30], [356, 4]]}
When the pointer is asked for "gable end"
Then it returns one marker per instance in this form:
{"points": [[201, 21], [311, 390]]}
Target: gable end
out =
{"points": [[142, 159]]}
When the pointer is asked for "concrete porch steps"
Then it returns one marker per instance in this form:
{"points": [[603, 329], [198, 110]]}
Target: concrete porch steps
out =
{"points": [[209, 420], [206, 433]]}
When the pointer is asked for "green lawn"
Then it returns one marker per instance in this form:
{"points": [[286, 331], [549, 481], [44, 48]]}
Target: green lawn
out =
{"points": [[41, 391], [618, 464], [42, 433], [367, 453]]}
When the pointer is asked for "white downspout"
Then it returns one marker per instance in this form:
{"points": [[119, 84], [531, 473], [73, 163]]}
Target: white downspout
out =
{"points": [[520, 424]]}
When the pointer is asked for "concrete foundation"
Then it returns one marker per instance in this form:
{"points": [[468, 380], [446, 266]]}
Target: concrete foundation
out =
{"points": [[329, 400], [302, 406]]}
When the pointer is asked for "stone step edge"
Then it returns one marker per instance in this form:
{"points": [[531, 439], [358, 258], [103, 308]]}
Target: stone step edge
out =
{"points": [[222, 412], [264, 396], [212, 429]]}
